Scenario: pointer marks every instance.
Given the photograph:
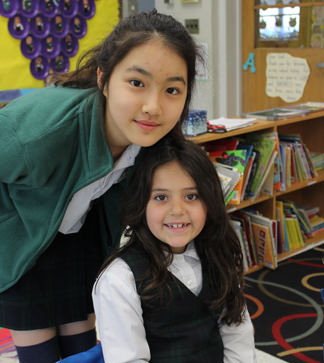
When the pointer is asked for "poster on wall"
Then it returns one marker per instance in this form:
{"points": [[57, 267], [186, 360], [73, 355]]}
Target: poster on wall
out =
{"points": [[45, 36], [202, 66], [286, 76]]}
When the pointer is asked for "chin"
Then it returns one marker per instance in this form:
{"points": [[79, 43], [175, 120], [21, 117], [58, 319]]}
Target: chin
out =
{"points": [[147, 143]]}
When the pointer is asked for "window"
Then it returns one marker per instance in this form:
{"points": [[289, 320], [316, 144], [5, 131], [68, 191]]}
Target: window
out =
{"points": [[278, 24]]}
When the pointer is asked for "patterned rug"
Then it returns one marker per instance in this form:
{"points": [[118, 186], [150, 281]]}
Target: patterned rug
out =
{"points": [[287, 310], [7, 347]]}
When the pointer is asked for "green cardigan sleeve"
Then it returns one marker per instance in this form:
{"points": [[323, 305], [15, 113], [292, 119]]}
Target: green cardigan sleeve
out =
{"points": [[13, 167]]}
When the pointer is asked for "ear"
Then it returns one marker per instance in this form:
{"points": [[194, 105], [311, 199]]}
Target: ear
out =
{"points": [[99, 77], [99, 81]]}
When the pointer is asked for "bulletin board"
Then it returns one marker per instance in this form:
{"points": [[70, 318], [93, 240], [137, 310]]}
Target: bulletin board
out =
{"points": [[15, 66]]}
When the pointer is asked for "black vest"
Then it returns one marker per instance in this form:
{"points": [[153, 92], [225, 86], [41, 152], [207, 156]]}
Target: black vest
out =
{"points": [[180, 329]]}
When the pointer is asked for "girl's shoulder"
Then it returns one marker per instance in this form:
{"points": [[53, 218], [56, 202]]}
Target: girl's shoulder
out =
{"points": [[39, 112], [115, 276]]}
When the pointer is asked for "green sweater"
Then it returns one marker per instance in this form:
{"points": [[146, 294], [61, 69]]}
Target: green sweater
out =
{"points": [[52, 144]]}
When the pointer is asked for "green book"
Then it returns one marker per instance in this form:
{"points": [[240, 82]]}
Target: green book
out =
{"points": [[266, 147]]}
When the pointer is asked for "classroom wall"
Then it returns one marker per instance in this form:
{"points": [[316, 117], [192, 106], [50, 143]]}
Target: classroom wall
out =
{"points": [[220, 29]]}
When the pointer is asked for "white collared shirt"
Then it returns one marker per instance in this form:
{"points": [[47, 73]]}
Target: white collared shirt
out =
{"points": [[79, 205], [120, 321]]}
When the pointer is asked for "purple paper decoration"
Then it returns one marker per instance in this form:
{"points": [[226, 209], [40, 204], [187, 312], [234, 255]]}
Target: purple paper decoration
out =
{"points": [[87, 8], [49, 30], [69, 45], [69, 8], [39, 68], [60, 63], [18, 26], [29, 8], [31, 47], [48, 8], [59, 26], [40, 26], [9, 8], [78, 26], [51, 47]]}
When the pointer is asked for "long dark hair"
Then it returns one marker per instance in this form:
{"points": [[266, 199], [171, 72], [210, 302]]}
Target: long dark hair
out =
{"points": [[217, 244], [129, 33]]}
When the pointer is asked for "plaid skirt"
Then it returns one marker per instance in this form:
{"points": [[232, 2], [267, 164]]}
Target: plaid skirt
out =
{"points": [[57, 289]]}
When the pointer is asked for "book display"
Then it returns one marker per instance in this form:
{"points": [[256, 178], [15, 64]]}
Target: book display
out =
{"points": [[275, 113], [273, 180]]}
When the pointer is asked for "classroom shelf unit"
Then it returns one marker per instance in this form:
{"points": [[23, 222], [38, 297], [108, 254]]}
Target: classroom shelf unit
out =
{"points": [[310, 192]]}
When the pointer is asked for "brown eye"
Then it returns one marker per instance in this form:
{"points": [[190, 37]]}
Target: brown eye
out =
{"points": [[160, 197], [172, 91], [137, 83], [192, 196]]}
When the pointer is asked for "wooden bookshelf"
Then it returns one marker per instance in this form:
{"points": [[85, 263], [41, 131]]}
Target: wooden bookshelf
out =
{"points": [[309, 192]]}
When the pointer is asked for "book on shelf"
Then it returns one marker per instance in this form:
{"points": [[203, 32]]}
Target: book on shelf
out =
{"points": [[317, 160], [276, 171], [238, 230], [246, 225], [306, 106], [268, 183], [223, 124], [276, 113], [286, 175], [229, 177], [314, 220], [308, 210], [282, 229], [215, 148], [291, 208], [301, 164], [265, 243], [266, 149], [295, 238], [247, 173], [237, 159], [317, 223], [313, 171]]}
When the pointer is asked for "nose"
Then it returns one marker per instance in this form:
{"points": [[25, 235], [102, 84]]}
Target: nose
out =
{"points": [[152, 104], [177, 207]]}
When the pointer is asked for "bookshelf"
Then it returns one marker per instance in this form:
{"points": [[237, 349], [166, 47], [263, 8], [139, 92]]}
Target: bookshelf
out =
{"points": [[308, 192]]}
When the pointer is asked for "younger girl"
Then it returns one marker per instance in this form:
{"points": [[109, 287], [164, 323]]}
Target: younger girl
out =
{"points": [[65, 153], [174, 292]]}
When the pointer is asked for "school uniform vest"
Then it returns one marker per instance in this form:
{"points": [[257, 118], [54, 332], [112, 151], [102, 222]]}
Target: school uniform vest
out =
{"points": [[180, 329]]}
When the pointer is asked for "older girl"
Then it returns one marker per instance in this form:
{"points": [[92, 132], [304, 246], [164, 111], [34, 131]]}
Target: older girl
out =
{"points": [[65, 152]]}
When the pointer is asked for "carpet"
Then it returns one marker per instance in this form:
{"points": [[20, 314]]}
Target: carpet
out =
{"points": [[7, 347], [286, 308]]}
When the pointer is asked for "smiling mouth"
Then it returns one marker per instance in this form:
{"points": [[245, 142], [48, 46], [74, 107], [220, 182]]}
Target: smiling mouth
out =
{"points": [[146, 125], [177, 225]]}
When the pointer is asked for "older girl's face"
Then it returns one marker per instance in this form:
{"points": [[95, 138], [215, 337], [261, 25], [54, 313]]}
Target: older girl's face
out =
{"points": [[145, 96]]}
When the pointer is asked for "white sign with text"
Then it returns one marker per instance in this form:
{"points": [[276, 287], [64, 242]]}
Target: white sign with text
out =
{"points": [[286, 76]]}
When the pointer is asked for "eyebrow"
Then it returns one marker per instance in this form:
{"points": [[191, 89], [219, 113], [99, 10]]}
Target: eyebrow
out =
{"points": [[148, 74], [165, 190]]}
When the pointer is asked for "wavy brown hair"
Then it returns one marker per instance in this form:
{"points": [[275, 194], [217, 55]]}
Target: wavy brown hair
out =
{"points": [[217, 244]]}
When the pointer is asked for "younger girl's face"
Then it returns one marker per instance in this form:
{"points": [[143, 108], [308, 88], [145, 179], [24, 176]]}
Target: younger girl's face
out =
{"points": [[175, 214], [145, 95]]}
